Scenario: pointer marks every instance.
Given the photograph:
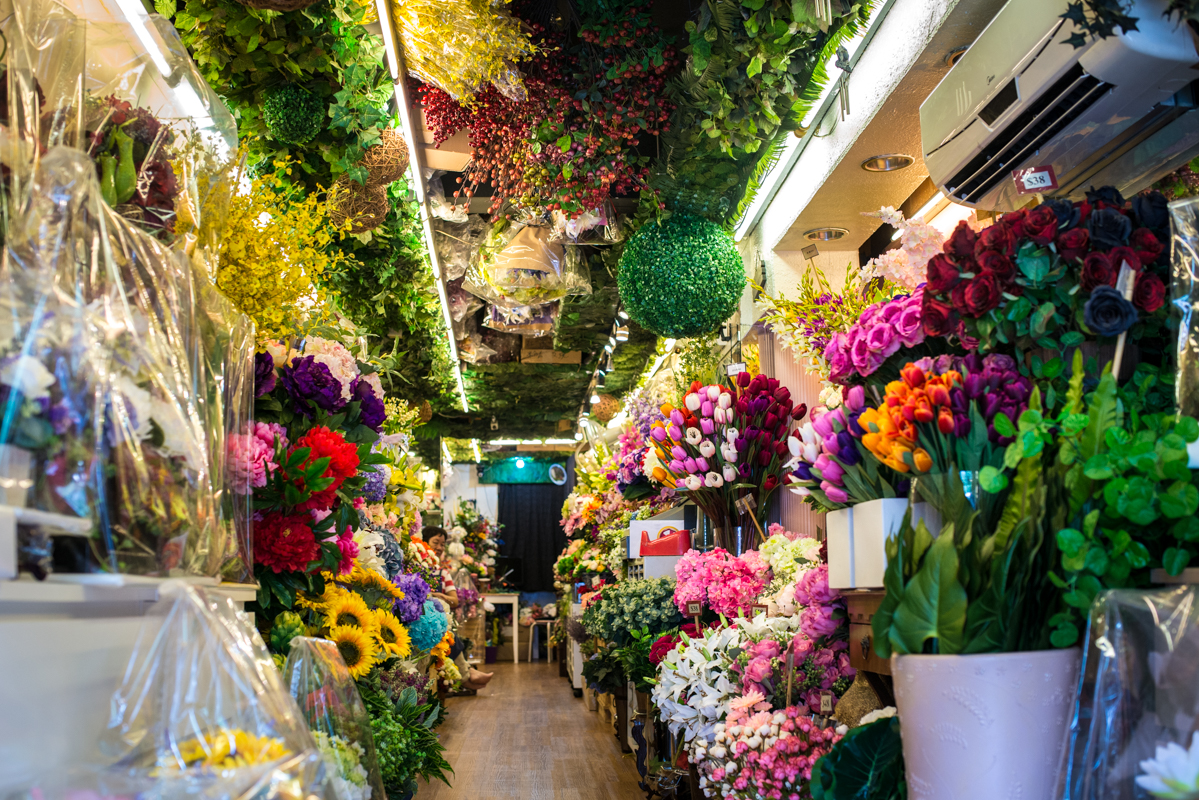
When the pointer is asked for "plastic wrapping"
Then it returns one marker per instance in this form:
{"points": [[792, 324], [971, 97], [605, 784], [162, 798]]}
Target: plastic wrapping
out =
{"points": [[201, 712], [456, 241], [1139, 689], [100, 416], [329, 700], [1185, 294], [599, 226], [517, 265], [523, 320], [439, 206]]}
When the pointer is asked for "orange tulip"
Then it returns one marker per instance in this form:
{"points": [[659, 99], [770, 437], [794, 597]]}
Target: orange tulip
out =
{"points": [[912, 375], [660, 475], [945, 420], [923, 460], [938, 394]]}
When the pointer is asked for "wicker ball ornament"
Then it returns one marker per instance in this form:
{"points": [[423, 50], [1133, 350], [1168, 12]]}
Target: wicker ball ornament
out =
{"points": [[607, 408], [363, 207], [426, 411], [682, 277], [387, 159]]}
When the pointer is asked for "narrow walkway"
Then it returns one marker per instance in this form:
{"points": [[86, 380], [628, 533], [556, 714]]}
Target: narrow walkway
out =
{"points": [[526, 736]]}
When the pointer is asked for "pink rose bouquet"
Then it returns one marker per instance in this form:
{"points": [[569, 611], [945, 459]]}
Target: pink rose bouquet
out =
{"points": [[884, 329]]}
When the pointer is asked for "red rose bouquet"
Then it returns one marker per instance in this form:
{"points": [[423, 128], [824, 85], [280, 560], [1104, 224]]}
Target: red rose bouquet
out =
{"points": [[1046, 277]]}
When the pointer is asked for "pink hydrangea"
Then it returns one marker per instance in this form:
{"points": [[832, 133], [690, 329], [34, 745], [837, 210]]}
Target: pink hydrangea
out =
{"points": [[721, 582]]}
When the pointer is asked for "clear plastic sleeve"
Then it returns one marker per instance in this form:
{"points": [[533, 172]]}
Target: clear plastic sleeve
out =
{"points": [[455, 243], [101, 422], [1185, 293], [328, 698], [440, 207], [523, 320], [517, 265], [202, 712], [1139, 690], [600, 226]]}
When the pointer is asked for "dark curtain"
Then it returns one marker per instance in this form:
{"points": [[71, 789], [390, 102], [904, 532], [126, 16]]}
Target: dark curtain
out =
{"points": [[531, 514]]}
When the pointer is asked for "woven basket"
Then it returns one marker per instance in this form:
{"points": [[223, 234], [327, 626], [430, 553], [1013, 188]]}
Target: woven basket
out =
{"points": [[607, 408], [363, 207], [387, 159]]}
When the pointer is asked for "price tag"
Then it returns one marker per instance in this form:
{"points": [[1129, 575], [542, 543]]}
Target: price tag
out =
{"points": [[735, 369], [826, 703], [1035, 179], [810, 252], [694, 609], [759, 608]]}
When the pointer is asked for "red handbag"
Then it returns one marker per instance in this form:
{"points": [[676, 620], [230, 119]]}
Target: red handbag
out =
{"points": [[671, 542]]}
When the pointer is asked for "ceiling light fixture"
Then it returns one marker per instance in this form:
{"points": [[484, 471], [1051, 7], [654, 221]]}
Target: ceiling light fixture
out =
{"points": [[520, 463], [888, 163], [622, 333], [595, 398], [622, 314], [578, 436], [825, 234], [599, 381], [929, 206]]}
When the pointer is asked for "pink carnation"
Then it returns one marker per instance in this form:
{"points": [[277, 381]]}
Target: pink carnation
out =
{"points": [[349, 551], [248, 459], [813, 589]]}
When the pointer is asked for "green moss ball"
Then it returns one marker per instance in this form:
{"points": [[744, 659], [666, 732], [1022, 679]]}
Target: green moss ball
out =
{"points": [[293, 114], [682, 277]]}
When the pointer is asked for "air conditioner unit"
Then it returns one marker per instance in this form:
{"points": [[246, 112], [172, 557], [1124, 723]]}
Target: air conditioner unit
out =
{"points": [[1119, 111]]}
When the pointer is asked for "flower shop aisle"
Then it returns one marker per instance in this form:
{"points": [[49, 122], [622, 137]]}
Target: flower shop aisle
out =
{"points": [[526, 736]]}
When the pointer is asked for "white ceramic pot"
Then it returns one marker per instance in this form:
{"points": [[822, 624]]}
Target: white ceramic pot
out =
{"points": [[985, 727]]}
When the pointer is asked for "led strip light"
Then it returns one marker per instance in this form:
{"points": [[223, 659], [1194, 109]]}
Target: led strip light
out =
{"points": [[396, 64]]}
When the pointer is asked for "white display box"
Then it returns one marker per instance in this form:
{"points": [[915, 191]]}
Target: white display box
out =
{"points": [[861, 553], [659, 566], [839, 536]]}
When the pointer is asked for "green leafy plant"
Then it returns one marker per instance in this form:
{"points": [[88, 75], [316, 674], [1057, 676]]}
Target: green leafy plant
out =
{"points": [[866, 764], [604, 671], [404, 740], [974, 589], [634, 659], [631, 606], [293, 114], [1128, 499]]}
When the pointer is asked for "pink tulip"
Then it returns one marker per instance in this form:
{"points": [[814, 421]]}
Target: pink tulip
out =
{"points": [[702, 463], [707, 427], [835, 493], [707, 408], [678, 452], [691, 466], [659, 434]]}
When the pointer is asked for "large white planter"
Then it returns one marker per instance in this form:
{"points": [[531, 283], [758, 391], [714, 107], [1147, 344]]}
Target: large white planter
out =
{"points": [[985, 727], [838, 534], [857, 539]]}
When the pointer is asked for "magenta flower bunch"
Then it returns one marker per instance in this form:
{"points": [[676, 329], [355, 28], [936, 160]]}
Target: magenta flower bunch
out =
{"points": [[883, 329], [724, 583]]}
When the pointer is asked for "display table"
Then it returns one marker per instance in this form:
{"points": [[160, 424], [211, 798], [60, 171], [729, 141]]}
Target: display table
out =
{"points": [[513, 600]]}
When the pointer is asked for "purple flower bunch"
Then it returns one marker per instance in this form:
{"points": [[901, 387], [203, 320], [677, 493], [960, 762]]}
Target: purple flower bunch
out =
{"points": [[375, 490], [816, 328], [883, 329], [264, 374], [643, 411], [823, 453], [370, 405], [992, 381], [416, 591], [307, 379]]}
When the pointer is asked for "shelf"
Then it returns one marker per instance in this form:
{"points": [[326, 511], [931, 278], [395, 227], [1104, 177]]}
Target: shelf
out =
{"points": [[104, 589]]}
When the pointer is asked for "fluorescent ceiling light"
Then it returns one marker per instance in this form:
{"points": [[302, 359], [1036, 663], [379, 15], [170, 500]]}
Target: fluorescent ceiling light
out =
{"points": [[445, 451], [929, 206], [560, 441], [502, 442], [474, 445]]}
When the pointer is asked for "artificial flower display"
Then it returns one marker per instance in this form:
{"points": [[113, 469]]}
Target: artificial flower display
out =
{"points": [[724, 583], [724, 444], [905, 265], [633, 606]]}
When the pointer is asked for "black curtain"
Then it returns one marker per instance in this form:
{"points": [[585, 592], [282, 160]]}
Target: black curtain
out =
{"points": [[531, 514]]}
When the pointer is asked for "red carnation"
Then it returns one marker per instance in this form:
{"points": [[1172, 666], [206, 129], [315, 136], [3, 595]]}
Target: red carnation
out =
{"points": [[937, 318], [285, 543], [961, 241], [1149, 292], [1119, 255], [343, 462], [1041, 225], [1097, 270], [1146, 245], [943, 274], [1072, 244], [982, 294]]}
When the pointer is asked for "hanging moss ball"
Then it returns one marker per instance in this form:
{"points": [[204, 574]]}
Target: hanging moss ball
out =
{"points": [[682, 277], [293, 114]]}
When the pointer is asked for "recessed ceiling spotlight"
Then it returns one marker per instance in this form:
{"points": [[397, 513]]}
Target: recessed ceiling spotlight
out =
{"points": [[955, 55], [888, 163], [825, 234], [595, 398]]}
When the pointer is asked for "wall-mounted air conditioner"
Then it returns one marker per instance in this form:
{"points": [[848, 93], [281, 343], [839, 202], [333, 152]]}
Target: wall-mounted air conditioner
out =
{"points": [[1119, 111]]}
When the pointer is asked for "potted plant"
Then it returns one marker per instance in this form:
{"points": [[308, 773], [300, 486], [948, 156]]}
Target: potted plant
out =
{"points": [[983, 697]]}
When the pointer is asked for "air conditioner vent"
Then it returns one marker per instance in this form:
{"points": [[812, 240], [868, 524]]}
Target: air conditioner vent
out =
{"points": [[1000, 103], [1048, 115]]}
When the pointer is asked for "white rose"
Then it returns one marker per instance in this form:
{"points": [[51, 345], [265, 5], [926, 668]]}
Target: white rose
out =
{"points": [[28, 376]]}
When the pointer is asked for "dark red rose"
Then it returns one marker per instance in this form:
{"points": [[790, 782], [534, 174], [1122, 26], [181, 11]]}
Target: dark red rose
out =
{"points": [[998, 265], [961, 241], [957, 296], [1015, 221], [943, 274], [1146, 245], [1097, 270], [982, 294], [1040, 225], [1072, 245], [999, 238], [937, 318], [1149, 293], [1084, 212], [1119, 255]]}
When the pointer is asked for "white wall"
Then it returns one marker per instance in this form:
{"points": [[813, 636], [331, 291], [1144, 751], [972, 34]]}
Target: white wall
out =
{"points": [[466, 485]]}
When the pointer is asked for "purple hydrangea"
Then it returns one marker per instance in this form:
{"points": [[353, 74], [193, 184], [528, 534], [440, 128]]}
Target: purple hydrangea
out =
{"points": [[375, 490], [264, 374], [370, 406], [308, 379], [416, 591]]}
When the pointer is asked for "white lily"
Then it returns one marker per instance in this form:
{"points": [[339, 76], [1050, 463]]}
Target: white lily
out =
{"points": [[1173, 772]]}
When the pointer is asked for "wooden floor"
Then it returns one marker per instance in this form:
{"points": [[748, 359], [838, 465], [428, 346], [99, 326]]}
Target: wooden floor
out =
{"points": [[527, 736]]}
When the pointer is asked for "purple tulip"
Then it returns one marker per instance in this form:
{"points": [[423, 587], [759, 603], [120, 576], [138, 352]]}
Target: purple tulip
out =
{"points": [[659, 434], [702, 463], [961, 425], [991, 404], [975, 385], [676, 466], [744, 470], [690, 465], [740, 444], [804, 471], [849, 456], [855, 398], [676, 417], [835, 493], [707, 408], [674, 431], [751, 433], [707, 427], [833, 472], [823, 425], [830, 443], [678, 452]]}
